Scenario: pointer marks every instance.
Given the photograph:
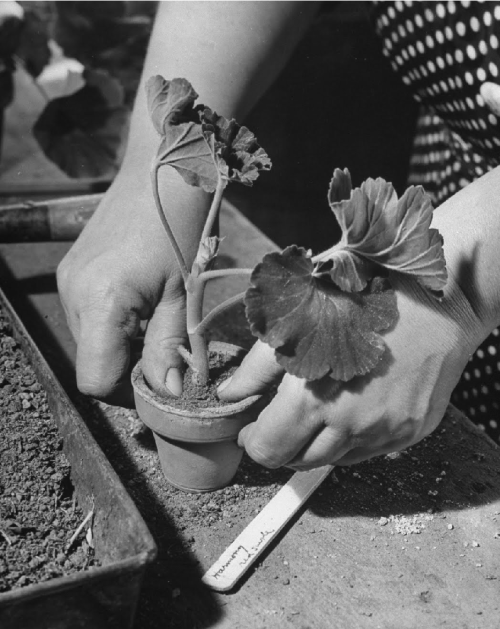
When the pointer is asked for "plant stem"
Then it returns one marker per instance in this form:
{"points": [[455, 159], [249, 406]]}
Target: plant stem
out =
{"points": [[210, 275], [195, 290], [214, 209], [326, 254], [204, 323], [156, 194]]}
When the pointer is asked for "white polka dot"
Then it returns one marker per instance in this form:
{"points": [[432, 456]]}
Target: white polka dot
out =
{"points": [[449, 59], [398, 60], [429, 15], [469, 78], [493, 423], [488, 370], [483, 48], [439, 37], [451, 8], [409, 26], [460, 28], [488, 144], [429, 41], [459, 82], [472, 412], [412, 51], [391, 13], [481, 75], [401, 30], [406, 80], [482, 408], [494, 41], [496, 332], [451, 83], [483, 124], [404, 54], [492, 350], [496, 13], [459, 56], [448, 32], [443, 86], [419, 21], [465, 4], [465, 395], [399, 6], [477, 373], [493, 68], [475, 392], [474, 24], [492, 119], [479, 100], [440, 62], [394, 37], [431, 66], [484, 390], [440, 12], [480, 353], [487, 18], [471, 52]]}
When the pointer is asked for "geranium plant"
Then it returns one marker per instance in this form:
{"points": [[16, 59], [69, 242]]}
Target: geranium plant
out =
{"points": [[323, 314]]}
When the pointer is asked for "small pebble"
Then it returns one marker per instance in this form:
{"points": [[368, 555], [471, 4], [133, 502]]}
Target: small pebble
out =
{"points": [[383, 521], [450, 527]]}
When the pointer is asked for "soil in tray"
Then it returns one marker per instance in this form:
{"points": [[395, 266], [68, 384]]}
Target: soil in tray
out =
{"points": [[38, 514]]}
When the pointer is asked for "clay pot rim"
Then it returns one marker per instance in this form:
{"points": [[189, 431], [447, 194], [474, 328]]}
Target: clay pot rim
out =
{"points": [[211, 412]]}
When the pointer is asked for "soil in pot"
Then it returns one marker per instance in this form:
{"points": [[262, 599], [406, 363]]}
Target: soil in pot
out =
{"points": [[38, 513]]}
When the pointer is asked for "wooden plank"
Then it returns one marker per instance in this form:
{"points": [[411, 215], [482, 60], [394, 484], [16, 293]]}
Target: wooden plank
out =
{"points": [[339, 564]]}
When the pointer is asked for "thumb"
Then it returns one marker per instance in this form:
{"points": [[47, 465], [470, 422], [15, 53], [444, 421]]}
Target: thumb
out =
{"points": [[104, 337], [256, 373], [162, 364]]}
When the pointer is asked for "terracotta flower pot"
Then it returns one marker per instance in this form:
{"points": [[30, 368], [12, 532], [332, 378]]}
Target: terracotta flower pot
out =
{"points": [[197, 449]]}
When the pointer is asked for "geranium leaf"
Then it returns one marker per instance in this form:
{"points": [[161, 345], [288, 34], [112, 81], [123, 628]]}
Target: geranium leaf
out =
{"points": [[183, 144], [350, 272], [170, 102], [316, 328], [83, 133], [393, 233], [340, 186], [202, 146], [236, 150]]}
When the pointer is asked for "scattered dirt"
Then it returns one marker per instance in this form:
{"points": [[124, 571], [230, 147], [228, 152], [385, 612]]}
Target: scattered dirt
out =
{"points": [[385, 504], [38, 514]]}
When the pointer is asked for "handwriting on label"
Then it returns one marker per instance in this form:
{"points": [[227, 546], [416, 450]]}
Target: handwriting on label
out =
{"points": [[242, 555]]}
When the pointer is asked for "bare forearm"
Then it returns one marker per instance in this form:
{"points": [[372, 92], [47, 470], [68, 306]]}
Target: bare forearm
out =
{"points": [[229, 51], [470, 225]]}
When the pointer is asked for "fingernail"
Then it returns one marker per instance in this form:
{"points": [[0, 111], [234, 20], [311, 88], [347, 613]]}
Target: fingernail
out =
{"points": [[224, 384], [173, 382]]}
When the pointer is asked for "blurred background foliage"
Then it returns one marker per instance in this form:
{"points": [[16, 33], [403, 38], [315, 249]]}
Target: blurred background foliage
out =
{"points": [[337, 103]]}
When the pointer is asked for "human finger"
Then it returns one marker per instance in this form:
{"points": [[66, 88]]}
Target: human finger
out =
{"points": [[256, 373], [103, 353], [162, 365], [285, 426]]}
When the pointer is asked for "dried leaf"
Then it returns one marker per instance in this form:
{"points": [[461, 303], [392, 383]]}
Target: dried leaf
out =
{"points": [[316, 328], [238, 155]]}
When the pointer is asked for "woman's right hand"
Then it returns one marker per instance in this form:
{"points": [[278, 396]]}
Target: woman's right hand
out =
{"points": [[122, 271]]}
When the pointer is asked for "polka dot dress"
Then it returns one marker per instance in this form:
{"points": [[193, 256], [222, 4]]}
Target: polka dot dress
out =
{"points": [[448, 54]]}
